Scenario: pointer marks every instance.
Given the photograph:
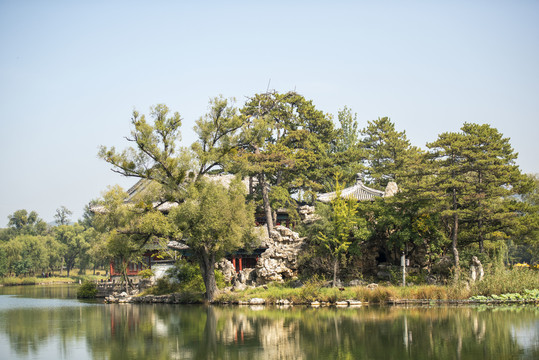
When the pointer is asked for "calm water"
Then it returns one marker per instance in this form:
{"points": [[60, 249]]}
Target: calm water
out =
{"points": [[48, 323]]}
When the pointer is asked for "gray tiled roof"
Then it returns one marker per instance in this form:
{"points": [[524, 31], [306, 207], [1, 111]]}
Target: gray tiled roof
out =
{"points": [[358, 191]]}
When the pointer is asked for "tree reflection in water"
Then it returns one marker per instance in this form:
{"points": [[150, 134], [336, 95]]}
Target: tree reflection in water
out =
{"points": [[214, 332]]}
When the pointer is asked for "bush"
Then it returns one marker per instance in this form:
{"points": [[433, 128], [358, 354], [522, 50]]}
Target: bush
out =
{"points": [[88, 290], [189, 277], [311, 289], [145, 274], [162, 287]]}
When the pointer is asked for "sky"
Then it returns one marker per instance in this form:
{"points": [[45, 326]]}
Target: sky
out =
{"points": [[72, 72]]}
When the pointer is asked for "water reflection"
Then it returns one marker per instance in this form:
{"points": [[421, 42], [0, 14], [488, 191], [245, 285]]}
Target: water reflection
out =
{"points": [[118, 331]]}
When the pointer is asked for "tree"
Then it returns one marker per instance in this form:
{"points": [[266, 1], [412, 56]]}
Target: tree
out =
{"points": [[22, 222], [337, 237], [346, 156], [74, 243], [157, 157], [474, 179], [214, 221], [3, 262], [218, 136], [126, 228], [286, 148], [62, 216], [449, 184], [494, 178], [388, 152]]}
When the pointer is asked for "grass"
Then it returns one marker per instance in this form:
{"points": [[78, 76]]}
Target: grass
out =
{"points": [[499, 281], [309, 293], [56, 278]]}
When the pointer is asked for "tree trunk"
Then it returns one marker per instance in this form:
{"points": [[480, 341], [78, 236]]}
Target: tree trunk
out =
{"points": [[335, 269], [481, 239], [207, 267], [454, 236], [266, 202]]}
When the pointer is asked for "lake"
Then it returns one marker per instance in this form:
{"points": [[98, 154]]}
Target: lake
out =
{"points": [[47, 322]]}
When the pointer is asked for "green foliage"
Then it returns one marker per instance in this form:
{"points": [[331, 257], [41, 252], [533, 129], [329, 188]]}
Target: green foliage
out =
{"points": [[3, 263], [526, 296], [23, 223], [337, 237], [87, 290], [499, 280], [74, 242], [146, 273], [310, 291], [214, 221], [62, 216], [389, 153], [286, 146], [163, 287]]}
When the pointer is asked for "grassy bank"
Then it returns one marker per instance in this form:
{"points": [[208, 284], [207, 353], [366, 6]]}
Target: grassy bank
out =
{"points": [[56, 278], [497, 282]]}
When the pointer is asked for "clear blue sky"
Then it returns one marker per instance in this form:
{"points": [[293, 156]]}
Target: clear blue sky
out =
{"points": [[71, 72]]}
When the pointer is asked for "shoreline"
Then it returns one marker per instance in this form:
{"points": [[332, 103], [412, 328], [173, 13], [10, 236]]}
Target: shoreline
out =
{"points": [[178, 299]]}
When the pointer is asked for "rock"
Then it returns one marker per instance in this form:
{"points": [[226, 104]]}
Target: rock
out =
{"points": [[315, 303], [354, 303], [123, 294], [383, 275], [283, 302], [356, 282], [257, 301], [227, 268], [307, 214], [391, 189], [476, 270], [238, 286], [247, 276], [432, 280], [279, 261], [341, 303], [372, 286]]}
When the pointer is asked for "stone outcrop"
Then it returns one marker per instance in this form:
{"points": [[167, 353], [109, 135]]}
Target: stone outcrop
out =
{"points": [[476, 270], [280, 260], [391, 189], [307, 214], [227, 269]]}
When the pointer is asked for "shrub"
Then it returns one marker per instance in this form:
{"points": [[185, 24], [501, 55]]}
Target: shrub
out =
{"points": [[162, 287], [311, 289], [88, 290], [146, 273], [189, 277]]}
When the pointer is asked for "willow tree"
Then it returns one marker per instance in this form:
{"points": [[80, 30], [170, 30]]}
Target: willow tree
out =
{"points": [[214, 220], [126, 228]]}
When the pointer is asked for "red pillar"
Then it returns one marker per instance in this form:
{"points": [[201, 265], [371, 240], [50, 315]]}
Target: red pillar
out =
{"points": [[240, 263]]}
